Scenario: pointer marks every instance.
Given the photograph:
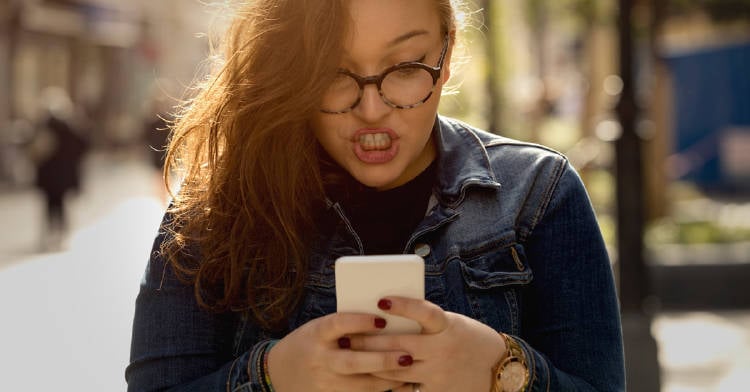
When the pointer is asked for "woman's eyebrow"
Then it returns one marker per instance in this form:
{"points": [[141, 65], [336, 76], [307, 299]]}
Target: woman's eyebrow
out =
{"points": [[404, 37], [401, 38]]}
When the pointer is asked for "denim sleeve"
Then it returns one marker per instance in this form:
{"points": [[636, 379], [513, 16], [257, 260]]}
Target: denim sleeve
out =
{"points": [[571, 322], [178, 346]]}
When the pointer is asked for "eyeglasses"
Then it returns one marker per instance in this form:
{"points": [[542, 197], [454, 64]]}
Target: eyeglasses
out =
{"points": [[402, 86]]}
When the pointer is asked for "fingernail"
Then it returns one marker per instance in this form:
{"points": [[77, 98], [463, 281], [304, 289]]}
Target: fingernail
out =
{"points": [[405, 360], [345, 342], [379, 322], [384, 304]]}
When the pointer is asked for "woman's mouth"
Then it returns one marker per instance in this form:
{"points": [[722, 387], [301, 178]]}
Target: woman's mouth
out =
{"points": [[378, 145], [375, 141]]}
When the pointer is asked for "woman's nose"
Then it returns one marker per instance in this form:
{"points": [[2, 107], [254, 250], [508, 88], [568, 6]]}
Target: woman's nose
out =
{"points": [[372, 107]]}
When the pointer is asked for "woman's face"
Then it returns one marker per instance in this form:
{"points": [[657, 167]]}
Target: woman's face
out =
{"points": [[379, 145]]}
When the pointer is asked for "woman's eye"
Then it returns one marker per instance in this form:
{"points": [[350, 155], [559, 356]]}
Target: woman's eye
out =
{"points": [[340, 81], [407, 71], [419, 60]]}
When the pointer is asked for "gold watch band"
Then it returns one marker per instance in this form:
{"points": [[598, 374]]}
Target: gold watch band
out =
{"points": [[512, 369]]}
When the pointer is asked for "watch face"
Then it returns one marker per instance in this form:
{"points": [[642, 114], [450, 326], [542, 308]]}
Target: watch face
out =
{"points": [[513, 377]]}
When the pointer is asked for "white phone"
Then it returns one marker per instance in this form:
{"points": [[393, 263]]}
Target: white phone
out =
{"points": [[361, 281]]}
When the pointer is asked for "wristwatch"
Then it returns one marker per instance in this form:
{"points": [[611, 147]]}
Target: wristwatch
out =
{"points": [[511, 374]]}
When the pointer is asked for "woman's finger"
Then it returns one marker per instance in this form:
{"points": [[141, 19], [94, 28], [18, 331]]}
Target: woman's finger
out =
{"points": [[334, 326], [366, 383], [360, 362], [431, 317], [413, 344], [409, 374], [409, 387]]}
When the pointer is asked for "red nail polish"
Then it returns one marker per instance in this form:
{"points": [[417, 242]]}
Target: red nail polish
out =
{"points": [[345, 343], [379, 322], [405, 360], [384, 304]]}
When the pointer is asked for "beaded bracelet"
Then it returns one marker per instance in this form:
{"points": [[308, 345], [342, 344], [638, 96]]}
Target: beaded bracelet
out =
{"points": [[266, 382], [258, 362], [258, 365]]}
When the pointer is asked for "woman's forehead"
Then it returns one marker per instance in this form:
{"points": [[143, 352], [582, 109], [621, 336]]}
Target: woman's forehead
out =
{"points": [[391, 19], [388, 24]]}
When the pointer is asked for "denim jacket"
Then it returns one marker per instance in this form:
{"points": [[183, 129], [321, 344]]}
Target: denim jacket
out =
{"points": [[509, 238]]}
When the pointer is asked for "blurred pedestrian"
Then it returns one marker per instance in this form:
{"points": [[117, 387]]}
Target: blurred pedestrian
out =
{"points": [[57, 149], [318, 136]]}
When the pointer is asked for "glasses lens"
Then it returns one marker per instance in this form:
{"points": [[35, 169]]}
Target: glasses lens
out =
{"points": [[341, 94], [407, 85]]}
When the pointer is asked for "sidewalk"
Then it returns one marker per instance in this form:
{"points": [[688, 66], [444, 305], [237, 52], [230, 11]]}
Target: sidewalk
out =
{"points": [[70, 313], [703, 351], [74, 308]]}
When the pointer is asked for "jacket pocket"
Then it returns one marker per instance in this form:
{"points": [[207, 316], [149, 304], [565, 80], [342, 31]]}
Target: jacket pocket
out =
{"points": [[493, 281], [319, 298], [496, 268]]}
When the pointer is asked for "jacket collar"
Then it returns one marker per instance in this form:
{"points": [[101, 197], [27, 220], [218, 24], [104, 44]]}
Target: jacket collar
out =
{"points": [[462, 161]]}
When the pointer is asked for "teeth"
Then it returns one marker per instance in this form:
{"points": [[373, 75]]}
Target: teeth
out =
{"points": [[375, 141]]}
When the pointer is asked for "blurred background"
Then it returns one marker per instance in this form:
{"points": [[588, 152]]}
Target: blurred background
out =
{"points": [[649, 99]]}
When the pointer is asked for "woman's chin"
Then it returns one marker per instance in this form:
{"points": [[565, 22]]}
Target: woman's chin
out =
{"points": [[379, 182]]}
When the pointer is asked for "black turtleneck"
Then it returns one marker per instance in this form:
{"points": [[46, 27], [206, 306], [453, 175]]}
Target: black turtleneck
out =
{"points": [[384, 220]]}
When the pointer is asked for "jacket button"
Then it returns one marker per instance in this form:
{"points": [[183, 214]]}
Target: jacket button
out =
{"points": [[422, 250]]}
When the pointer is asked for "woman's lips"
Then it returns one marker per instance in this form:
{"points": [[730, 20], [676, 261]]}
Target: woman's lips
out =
{"points": [[375, 145]]}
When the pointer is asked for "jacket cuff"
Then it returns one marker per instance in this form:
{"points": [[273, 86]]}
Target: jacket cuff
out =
{"points": [[539, 372]]}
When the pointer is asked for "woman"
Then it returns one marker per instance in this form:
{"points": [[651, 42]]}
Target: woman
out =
{"points": [[319, 137]]}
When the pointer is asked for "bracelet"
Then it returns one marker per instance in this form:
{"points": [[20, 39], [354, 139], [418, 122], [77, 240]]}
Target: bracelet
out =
{"points": [[267, 386], [259, 364]]}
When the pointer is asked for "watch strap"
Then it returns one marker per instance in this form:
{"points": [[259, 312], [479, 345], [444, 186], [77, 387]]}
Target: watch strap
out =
{"points": [[514, 356]]}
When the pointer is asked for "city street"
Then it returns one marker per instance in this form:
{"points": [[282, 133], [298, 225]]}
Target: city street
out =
{"points": [[66, 316]]}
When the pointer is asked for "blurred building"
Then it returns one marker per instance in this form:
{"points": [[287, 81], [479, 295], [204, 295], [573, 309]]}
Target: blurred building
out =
{"points": [[106, 53], [708, 61]]}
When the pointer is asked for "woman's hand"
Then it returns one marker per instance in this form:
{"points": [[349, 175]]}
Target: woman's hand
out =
{"points": [[453, 353], [316, 357]]}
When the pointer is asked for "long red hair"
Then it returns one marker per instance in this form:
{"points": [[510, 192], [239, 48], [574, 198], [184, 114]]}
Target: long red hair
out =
{"points": [[242, 221]]}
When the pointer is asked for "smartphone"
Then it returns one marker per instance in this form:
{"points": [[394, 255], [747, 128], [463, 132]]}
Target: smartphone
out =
{"points": [[361, 281]]}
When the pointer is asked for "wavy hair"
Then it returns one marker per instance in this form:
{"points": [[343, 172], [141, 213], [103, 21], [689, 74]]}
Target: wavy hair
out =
{"points": [[242, 222]]}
